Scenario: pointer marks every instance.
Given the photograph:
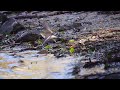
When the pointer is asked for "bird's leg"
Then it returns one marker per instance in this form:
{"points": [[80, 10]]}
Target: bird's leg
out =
{"points": [[46, 41], [42, 46], [54, 40]]}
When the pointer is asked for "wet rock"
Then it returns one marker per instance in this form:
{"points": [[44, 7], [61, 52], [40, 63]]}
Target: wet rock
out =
{"points": [[77, 26], [91, 64], [101, 76], [10, 25], [27, 36], [22, 36], [1, 37], [3, 18], [59, 55], [92, 77], [21, 61], [43, 52], [76, 70]]}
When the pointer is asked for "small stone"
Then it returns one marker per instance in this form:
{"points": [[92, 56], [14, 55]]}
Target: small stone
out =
{"points": [[93, 37], [10, 26], [20, 61]]}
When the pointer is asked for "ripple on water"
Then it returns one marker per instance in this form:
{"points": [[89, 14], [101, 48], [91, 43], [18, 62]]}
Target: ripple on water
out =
{"points": [[47, 67]]}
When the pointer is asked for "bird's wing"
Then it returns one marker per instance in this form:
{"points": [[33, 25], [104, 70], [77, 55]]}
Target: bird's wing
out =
{"points": [[47, 27], [47, 31]]}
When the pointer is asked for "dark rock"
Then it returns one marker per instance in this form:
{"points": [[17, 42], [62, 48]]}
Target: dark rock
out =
{"points": [[24, 36], [27, 36], [58, 55], [3, 18], [10, 25], [1, 37], [21, 61], [76, 70], [91, 64], [102, 76], [89, 23], [43, 52], [16, 28]]}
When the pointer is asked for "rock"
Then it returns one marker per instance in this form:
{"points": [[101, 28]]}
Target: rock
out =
{"points": [[23, 36], [3, 18], [27, 36], [59, 55], [31, 35], [10, 25], [101, 76], [1, 37], [43, 52]]}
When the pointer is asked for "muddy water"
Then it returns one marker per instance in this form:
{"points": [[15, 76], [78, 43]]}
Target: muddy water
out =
{"points": [[35, 66]]}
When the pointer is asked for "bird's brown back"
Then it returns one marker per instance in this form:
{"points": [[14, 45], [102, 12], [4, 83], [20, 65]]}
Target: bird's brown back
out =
{"points": [[47, 31]]}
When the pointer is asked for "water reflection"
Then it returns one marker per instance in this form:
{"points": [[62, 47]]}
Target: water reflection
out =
{"points": [[35, 66]]}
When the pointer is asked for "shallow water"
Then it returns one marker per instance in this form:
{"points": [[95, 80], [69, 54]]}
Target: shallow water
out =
{"points": [[35, 66], [41, 66]]}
